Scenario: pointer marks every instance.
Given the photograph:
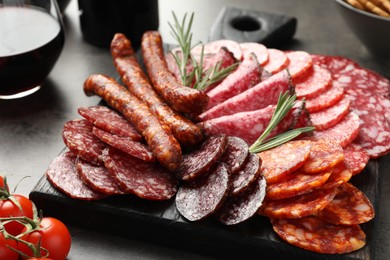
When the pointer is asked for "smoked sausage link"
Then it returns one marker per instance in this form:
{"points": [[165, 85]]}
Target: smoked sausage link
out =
{"points": [[181, 98], [158, 136], [126, 63]]}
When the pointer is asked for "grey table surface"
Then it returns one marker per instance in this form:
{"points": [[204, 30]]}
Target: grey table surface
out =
{"points": [[30, 128]]}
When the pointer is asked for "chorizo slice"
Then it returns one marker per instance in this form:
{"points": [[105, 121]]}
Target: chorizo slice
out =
{"points": [[199, 199], [78, 137], [314, 234], [350, 206], [246, 175], [235, 154], [158, 136], [181, 98], [238, 208], [62, 174], [126, 63], [197, 162], [279, 162], [340, 174], [109, 120], [146, 180]]}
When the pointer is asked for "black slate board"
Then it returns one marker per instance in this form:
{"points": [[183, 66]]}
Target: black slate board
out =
{"points": [[160, 222]]}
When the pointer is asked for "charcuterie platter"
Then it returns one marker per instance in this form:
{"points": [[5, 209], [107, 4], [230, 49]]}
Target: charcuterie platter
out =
{"points": [[243, 146]]}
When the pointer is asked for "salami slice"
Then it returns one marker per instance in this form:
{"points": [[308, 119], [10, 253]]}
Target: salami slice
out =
{"points": [[335, 64], [329, 117], [318, 81], [314, 234], [300, 63], [110, 121], [258, 49], [299, 206], [78, 137], [325, 100], [235, 154], [342, 133], [355, 158], [277, 61], [350, 206], [62, 174], [146, 180], [247, 75], [258, 97], [97, 178], [237, 209], [297, 183], [247, 174], [198, 199], [324, 155], [340, 175], [199, 161], [279, 162], [125, 144], [212, 48]]}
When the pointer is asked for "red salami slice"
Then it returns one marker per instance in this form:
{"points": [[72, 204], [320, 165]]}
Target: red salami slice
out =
{"points": [[196, 163], [318, 81], [63, 175], [336, 65], [78, 137], [146, 180], [98, 178], [355, 158], [297, 183], [258, 49], [258, 97], [350, 206], [237, 209], [299, 206], [300, 63], [339, 176], [125, 144], [277, 61], [235, 154], [110, 121], [314, 234], [279, 162], [342, 133], [247, 74], [325, 100], [329, 117], [212, 48], [246, 175], [199, 199]]}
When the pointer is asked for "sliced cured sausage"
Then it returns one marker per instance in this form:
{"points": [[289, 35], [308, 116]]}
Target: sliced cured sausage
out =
{"points": [[258, 97], [314, 234], [181, 98], [238, 208], [325, 100], [235, 154], [335, 64], [355, 158], [158, 136], [146, 180], [329, 117], [277, 61], [350, 206], [212, 48], [318, 81], [62, 174], [78, 137], [340, 174], [110, 121], [258, 49], [298, 206], [300, 63], [197, 162], [297, 183], [97, 178], [246, 175], [247, 75], [324, 155], [279, 162], [136, 149], [133, 77], [199, 199]]}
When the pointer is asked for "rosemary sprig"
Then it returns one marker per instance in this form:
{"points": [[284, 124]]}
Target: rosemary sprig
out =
{"points": [[284, 105]]}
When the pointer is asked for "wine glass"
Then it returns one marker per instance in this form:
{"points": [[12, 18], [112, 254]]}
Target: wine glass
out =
{"points": [[31, 40]]}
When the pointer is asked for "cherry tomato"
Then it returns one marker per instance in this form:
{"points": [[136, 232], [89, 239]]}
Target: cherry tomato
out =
{"points": [[5, 252], [9, 209], [55, 238]]}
